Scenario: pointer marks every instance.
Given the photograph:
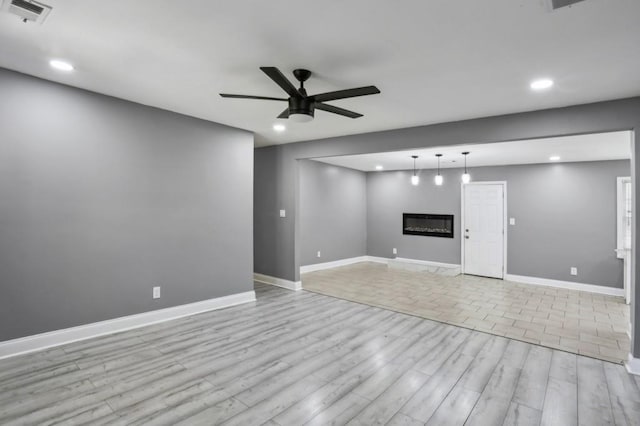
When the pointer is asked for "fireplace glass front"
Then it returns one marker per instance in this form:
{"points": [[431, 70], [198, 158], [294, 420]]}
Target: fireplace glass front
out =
{"points": [[432, 225]]}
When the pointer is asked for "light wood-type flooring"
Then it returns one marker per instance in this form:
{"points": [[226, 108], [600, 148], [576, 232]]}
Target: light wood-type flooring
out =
{"points": [[295, 358], [576, 321]]}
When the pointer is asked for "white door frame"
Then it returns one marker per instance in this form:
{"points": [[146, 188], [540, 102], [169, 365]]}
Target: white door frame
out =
{"points": [[504, 221], [621, 251]]}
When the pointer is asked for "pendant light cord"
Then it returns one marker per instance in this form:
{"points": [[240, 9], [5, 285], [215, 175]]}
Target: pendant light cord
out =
{"points": [[465, 161]]}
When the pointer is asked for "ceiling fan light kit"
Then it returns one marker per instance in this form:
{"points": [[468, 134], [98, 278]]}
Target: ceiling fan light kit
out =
{"points": [[301, 117], [300, 110], [302, 107]]}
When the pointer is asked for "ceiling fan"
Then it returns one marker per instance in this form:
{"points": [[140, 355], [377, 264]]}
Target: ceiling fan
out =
{"points": [[302, 106]]}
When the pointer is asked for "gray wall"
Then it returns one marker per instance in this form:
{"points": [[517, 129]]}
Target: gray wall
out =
{"points": [[277, 243], [565, 216], [333, 212], [101, 199], [389, 194]]}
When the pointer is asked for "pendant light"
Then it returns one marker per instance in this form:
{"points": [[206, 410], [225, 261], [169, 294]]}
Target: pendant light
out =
{"points": [[439, 179], [466, 177], [415, 179]]}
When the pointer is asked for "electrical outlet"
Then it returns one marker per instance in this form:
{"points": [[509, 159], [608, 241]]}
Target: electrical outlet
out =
{"points": [[395, 250], [574, 270], [156, 292], [319, 254], [283, 213], [512, 221]]}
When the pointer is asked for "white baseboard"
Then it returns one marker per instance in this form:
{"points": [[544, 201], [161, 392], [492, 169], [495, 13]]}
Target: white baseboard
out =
{"points": [[343, 262], [426, 262], [376, 259], [50, 339], [278, 282], [328, 265], [610, 291], [633, 365]]}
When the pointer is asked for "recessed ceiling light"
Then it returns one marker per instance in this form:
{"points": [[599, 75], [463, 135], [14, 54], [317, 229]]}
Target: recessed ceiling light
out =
{"points": [[554, 158], [541, 84], [61, 65], [379, 167], [279, 127]]}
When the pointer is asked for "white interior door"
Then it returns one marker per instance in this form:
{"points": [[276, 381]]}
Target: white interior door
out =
{"points": [[483, 229]]}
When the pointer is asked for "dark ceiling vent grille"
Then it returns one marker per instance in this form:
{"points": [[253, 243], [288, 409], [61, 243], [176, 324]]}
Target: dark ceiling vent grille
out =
{"points": [[557, 4], [27, 10], [31, 7]]}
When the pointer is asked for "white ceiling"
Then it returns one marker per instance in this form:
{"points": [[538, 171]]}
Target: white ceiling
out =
{"points": [[434, 61], [595, 147]]}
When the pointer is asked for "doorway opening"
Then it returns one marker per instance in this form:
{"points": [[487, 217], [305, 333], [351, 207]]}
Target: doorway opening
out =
{"points": [[539, 265]]}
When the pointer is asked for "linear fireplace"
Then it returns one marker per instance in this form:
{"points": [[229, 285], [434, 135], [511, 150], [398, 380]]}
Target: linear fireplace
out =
{"points": [[432, 225]]}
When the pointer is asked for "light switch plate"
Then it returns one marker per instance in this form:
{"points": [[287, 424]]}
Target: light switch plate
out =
{"points": [[283, 213], [512, 221]]}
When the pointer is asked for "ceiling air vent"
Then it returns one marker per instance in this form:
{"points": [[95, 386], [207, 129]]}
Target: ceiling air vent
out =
{"points": [[26, 10], [557, 4]]}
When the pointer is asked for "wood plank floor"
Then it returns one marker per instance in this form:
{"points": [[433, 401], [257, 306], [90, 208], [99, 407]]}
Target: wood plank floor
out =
{"points": [[294, 358]]}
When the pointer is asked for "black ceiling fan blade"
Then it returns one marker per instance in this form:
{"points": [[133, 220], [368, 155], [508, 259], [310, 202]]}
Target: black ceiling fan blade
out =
{"points": [[348, 93], [282, 81], [336, 110], [284, 114], [264, 98]]}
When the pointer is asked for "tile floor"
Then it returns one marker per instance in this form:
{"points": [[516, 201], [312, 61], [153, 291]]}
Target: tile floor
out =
{"points": [[579, 322]]}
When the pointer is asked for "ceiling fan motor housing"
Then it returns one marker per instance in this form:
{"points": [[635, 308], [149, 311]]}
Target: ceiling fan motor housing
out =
{"points": [[302, 106]]}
